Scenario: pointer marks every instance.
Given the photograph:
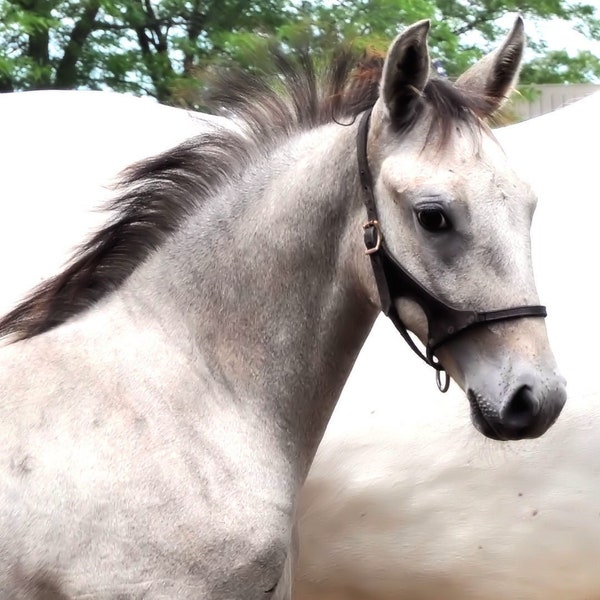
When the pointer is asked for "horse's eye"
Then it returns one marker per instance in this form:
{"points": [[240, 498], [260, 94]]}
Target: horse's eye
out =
{"points": [[433, 219]]}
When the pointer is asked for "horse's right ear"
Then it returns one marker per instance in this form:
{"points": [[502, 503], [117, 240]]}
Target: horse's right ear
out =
{"points": [[495, 75], [405, 72]]}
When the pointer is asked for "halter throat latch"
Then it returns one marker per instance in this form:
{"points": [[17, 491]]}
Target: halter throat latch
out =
{"points": [[444, 322]]}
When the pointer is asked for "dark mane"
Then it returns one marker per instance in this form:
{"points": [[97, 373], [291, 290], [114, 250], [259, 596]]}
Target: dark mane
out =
{"points": [[157, 194]]}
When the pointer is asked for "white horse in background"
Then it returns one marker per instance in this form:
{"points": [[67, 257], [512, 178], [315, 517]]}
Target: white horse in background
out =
{"points": [[405, 500], [60, 152], [404, 504]]}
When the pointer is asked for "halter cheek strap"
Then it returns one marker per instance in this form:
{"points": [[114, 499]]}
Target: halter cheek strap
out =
{"points": [[393, 281]]}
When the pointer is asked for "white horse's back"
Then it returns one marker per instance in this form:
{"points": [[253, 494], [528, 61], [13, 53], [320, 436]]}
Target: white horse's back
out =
{"points": [[406, 502], [420, 509]]}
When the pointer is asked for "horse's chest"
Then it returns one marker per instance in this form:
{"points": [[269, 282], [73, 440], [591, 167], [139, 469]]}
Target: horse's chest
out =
{"points": [[151, 518], [151, 495], [155, 545]]}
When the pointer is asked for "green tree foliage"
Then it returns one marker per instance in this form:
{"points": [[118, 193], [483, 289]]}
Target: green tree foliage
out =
{"points": [[158, 47], [558, 66], [143, 46]]}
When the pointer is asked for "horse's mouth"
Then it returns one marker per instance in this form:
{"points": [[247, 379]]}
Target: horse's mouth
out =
{"points": [[479, 420]]}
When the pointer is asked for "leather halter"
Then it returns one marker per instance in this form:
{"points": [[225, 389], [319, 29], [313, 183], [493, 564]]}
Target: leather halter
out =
{"points": [[444, 322]]}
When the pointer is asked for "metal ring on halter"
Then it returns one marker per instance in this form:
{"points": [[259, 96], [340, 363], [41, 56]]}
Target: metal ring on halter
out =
{"points": [[375, 225], [438, 380]]}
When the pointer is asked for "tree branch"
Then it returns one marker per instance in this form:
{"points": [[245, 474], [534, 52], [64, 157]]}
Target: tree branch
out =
{"points": [[38, 39], [66, 72], [476, 22], [157, 63], [195, 27]]}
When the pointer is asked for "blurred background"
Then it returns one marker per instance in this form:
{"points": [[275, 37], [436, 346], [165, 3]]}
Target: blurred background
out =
{"points": [[160, 48]]}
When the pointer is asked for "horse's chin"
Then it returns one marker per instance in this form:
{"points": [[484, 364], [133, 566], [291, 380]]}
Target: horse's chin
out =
{"points": [[480, 422]]}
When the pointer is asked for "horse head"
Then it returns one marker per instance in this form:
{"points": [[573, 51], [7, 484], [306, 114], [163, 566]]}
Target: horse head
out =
{"points": [[450, 220]]}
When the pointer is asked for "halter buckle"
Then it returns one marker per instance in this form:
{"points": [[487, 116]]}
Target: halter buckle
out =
{"points": [[369, 225]]}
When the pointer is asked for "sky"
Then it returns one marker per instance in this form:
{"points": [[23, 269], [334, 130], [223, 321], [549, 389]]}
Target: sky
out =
{"points": [[559, 34]]}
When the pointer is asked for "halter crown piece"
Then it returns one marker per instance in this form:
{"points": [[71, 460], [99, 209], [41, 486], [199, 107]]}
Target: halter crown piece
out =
{"points": [[394, 282]]}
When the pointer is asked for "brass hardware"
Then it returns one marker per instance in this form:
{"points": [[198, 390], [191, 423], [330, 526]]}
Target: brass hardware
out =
{"points": [[374, 224]]}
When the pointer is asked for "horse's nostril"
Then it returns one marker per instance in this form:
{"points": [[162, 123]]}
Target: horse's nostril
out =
{"points": [[527, 413], [521, 409]]}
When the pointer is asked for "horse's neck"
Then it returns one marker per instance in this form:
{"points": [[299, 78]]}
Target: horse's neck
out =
{"points": [[264, 281]]}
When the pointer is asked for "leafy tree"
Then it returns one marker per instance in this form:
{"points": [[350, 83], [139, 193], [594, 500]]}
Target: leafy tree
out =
{"points": [[158, 47], [143, 46], [558, 66], [463, 31]]}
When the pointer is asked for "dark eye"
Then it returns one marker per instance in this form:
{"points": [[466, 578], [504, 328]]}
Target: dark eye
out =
{"points": [[433, 219]]}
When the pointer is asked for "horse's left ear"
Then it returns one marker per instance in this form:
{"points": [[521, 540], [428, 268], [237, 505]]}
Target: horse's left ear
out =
{"points": [[405, 72], [496, 74]]}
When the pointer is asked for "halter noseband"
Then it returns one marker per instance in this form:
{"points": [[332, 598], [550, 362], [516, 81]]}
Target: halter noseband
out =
{"points": [[393, 281]]}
